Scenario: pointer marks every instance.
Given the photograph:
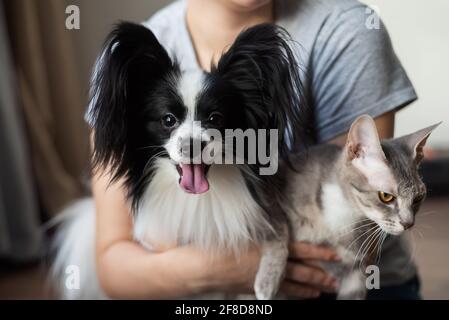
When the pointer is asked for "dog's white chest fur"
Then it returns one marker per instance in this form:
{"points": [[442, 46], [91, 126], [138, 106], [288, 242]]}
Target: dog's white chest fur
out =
{"points": [[224, 217]]}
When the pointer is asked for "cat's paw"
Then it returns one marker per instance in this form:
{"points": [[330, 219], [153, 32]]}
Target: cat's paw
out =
{"points": [[271, 269], [352, 287], [355, 295], [265, 288]]}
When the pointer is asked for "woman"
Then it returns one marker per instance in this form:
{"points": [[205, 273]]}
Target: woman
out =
{"points": [[349, 70]]}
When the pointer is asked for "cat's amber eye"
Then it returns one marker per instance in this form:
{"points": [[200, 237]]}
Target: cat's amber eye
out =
{"points": [[386, 197]]}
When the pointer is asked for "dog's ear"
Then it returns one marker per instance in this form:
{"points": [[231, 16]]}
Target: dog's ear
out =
{"points": [[263, 67], [131, 63]]}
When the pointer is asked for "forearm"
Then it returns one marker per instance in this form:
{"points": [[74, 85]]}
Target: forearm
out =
{"points": [[384, 124], [127, 271]]}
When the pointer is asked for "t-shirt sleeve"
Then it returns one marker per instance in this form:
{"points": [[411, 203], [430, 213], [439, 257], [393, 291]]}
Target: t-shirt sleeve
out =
{"points": [[354, 71]]}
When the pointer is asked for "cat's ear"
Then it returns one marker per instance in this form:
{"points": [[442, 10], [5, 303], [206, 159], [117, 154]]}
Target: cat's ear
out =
{"points": [[363, 140], [416, 141], [364, 151]]}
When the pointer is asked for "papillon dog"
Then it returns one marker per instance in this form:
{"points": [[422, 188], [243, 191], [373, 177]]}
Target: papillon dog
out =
{"points": [[147, 114]]}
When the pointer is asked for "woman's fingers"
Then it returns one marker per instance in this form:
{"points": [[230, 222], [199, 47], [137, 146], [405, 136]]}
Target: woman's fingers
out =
{"points": [[297, 290], [304, 250], [310, 276], [312, 263]]}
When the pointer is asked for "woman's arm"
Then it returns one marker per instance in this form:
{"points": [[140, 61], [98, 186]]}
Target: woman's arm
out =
{"points": [[384, 124], [125, 269]]}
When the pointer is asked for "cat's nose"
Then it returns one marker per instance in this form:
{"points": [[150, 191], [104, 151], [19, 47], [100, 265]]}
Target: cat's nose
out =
{"points": [[407, 224]]}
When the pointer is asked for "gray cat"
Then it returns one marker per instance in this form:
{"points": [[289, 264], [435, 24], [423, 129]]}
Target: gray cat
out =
{"points": [[352, 197]]}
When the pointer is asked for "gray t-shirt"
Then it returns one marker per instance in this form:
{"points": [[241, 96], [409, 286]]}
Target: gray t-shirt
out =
{"points": [[349, 70]]}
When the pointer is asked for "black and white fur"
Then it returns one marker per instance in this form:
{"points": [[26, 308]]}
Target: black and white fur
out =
{"points": [[144, 107]]}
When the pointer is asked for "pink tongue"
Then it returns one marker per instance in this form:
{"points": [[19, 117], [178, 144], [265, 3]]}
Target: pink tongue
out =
{"points": [[193, 178]]}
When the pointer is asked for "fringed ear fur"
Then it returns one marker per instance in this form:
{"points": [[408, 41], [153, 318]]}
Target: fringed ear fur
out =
{"points": [[131, 57], [262, 66]]}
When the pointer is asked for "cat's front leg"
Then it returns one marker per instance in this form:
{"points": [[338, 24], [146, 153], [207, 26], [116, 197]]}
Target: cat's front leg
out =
{"points": [[352, 286], [272, 266]]}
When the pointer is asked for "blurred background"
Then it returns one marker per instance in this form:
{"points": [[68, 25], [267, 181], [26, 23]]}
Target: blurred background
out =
{"points": [[44, 76]]}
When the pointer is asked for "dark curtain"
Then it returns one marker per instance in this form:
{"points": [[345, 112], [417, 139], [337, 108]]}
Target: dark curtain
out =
{"points": [[44, 126], [20, 237]]}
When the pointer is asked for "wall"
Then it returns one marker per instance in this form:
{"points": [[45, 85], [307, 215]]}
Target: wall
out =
{"points": [[97, 18], [420, 34]]}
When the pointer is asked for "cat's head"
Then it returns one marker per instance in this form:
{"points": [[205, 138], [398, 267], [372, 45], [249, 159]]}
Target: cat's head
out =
{"points": [[383, 177]]}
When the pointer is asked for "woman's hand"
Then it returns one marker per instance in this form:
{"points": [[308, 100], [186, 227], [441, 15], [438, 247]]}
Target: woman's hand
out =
{"points": [[304, 278]]}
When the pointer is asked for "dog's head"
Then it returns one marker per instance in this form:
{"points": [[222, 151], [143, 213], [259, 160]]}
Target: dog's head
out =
{"points": [[144, 108]]}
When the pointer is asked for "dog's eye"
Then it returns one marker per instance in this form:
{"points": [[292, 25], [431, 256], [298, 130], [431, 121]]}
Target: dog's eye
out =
{"points": [[216, 119], [386, 197], [169, 120]]}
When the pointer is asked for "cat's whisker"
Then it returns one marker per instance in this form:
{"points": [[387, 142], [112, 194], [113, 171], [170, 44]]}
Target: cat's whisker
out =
{"points": [[369, 245], [420, 233], [375, 244], [360, 223], [360, 236], [378, 245], [379, 249], [356, 223], [355, 229], [373, 232], [413, 241], [362, 247], [423, 214], [371, 248]]}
